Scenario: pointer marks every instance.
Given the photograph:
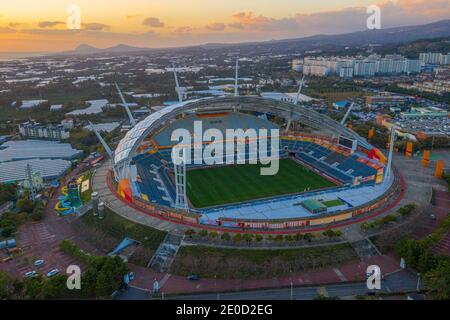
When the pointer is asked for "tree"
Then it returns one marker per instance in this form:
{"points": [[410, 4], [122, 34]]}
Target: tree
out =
{"points": [[7, 192], [438, 280], [6, 286], [8, 227], [24, 204], [38, 211]]}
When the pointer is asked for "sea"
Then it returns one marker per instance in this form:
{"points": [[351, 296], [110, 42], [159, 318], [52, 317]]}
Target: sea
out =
{"points": [[9, 56]]}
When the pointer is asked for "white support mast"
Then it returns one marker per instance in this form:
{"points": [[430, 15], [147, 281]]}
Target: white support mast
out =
{"points": [[297, 97], [180, 183], [178, 89], [347, 113], [104, 144], [125, 104], [236, 79], [387, 173]]}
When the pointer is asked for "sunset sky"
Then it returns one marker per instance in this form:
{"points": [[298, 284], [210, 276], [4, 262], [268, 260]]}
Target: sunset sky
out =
{"points": [[32, 25]]}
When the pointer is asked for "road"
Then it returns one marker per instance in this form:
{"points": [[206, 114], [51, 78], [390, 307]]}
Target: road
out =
{"points": [[401, 281]]}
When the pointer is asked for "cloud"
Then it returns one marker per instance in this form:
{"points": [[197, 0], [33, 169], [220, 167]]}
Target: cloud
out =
{"points": [[14, 24], [425, 7], [153, 22], [94, 26], [5, 30], [134, 16], [239, 27], [49, 24], [393, 14], [216, 26], [185, 29], [236, 25]]}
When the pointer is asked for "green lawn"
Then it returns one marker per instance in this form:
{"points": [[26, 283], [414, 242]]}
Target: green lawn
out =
{"points": [[209, 262], [333, 203], [230, 184]]}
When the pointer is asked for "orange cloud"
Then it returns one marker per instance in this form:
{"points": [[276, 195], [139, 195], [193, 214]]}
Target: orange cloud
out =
{"points": [[153, 22], [430, 8], [216, 26], [49, 24]]}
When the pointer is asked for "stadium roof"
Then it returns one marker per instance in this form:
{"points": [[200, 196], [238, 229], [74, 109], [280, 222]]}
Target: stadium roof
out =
{"points": [[36, 149], [15, 171], [128, 145]]}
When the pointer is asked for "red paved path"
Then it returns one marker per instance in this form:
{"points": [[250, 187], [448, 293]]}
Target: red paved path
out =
{"points": [[177, 284]]}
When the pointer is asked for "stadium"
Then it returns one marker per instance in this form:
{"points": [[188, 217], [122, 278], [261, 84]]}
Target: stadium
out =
{"points": [[327, 173]]}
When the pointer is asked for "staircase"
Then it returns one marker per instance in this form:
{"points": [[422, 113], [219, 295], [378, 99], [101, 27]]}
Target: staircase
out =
{"points": [[365, 248], [166, 252]]}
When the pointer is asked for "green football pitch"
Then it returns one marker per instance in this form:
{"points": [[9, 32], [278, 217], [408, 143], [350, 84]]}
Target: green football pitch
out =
{"points": [[236, 183]]}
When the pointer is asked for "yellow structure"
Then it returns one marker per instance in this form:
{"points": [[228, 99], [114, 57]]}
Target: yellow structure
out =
{"points": [[426, 158], [124, 190], [439, 168], [371, 133], [409, 149]]}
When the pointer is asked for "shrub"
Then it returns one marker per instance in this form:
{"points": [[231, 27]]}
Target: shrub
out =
{"points": [[237, 237], [270, 237], [24, 204], [38, 212], [279, 237], [225, 236], [407, 209], [203, 233], [365, 226], [289, 237], [258, 238], [190, 233], [247, 237], [213, 234], [298, 237], [308, 237]]}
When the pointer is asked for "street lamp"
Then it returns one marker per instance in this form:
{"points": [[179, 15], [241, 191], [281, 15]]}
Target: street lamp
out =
{"points": [[292, 286], [418, 282]]}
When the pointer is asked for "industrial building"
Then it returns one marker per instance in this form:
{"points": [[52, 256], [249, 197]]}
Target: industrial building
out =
{"points": [[37, 149], [49, 159]]}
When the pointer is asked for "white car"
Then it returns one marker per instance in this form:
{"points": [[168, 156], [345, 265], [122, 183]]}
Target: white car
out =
{"points": [[39, 262], [31, 274], [52, 273]]}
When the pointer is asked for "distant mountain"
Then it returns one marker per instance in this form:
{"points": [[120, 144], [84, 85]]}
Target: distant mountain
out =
{"points": [[388, 36], [397, 35], [85, 49]]}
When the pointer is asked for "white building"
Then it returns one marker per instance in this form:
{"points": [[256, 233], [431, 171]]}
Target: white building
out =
{"points": [[365, 68], [297, 65], [35, 130], [434, 58], [346, 72]]}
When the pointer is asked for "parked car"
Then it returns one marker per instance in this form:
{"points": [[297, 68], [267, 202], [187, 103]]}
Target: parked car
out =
{"points": [[31, 274], [39, 262], [7, 259], [52, 273], [193, 277]]}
